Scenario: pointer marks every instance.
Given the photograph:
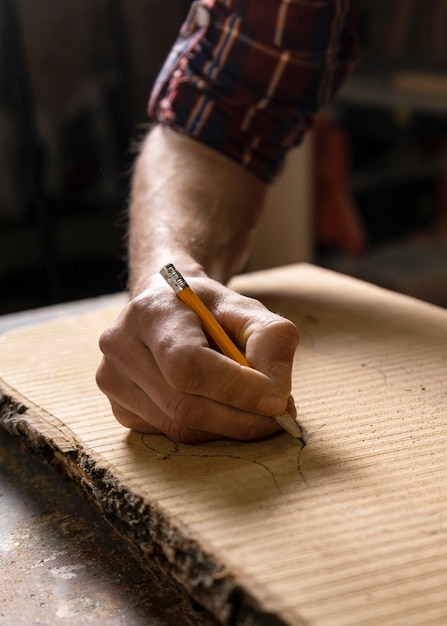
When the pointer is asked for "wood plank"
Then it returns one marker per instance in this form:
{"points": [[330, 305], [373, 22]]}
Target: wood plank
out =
{"points": [[350, 529]]}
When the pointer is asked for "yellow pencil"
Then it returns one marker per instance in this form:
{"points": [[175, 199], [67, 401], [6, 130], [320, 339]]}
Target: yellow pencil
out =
{"points": [[215, 331]]}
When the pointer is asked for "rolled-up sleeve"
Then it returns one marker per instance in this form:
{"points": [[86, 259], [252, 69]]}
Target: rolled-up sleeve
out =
{"points": [[246, 76]]}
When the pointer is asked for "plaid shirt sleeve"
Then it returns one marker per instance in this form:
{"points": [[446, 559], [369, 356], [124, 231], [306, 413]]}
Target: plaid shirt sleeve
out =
{"points": [[246, 76]]}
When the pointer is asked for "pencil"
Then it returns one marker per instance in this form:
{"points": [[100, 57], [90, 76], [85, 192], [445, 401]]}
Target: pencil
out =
{"points": [[215, 331]]}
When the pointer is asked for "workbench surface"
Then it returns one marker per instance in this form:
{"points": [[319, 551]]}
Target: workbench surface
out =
{"points": [[60, 562], [347, 530]]}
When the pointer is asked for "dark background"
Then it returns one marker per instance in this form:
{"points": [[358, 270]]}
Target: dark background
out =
{"points": [[74, 82]]}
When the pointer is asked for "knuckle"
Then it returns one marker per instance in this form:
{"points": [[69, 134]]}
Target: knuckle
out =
{"points": [[107, 341], [102, 376], [186, 424], [286, 332], [148, 305], [137, 307], [180, 434], [180, 409], [290, 330], [294, 331], [123, 417]]}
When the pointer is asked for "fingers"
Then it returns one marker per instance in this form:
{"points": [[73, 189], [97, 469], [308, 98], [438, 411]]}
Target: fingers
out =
{"points": [[271, 347], [174, 431], [269, 340], [201, 371], [185, 417], [160, 374], [168, 351]]}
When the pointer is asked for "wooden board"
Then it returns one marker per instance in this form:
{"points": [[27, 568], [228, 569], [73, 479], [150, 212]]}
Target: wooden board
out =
{"points": [[349, 530]]}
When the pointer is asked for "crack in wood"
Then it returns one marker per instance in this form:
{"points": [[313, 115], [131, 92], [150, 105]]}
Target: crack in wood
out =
{"points": [[178, 453]]}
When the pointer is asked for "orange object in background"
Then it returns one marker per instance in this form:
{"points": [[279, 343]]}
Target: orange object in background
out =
{"points": [[337, 223]]}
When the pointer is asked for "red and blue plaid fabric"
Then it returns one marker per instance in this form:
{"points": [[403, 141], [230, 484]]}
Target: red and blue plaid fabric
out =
{"points": [[246, 76]]}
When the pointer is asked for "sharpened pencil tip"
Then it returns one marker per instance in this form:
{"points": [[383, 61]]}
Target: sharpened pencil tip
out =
{"points": [[289, 424]]}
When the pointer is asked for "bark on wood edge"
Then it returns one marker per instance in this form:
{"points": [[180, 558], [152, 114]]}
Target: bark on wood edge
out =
{"points": [[147, 531]]}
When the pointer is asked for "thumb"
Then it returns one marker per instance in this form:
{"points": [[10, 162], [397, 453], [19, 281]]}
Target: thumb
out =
{"points": [[271, 349]]}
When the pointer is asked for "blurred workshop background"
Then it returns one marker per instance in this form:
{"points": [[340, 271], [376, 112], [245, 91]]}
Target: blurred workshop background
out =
{"points": [[366, 195]]}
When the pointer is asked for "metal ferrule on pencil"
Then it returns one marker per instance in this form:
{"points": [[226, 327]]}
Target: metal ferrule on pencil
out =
{"points": [[173, 278]]}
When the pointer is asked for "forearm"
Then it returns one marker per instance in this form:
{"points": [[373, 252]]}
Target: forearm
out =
{"points": [[190, 206]]}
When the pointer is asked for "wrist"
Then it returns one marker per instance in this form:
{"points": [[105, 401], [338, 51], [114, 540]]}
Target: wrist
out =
{"points": [[148, 276]]}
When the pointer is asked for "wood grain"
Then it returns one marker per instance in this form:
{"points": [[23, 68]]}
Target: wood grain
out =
{"points": [[349, 530]]}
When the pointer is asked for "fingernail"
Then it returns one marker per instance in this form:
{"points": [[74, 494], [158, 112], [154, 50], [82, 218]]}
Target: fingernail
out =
{"points": [[271, 405]]}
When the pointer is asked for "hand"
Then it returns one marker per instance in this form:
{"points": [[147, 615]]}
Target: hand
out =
{"points": [[161, 376]]}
